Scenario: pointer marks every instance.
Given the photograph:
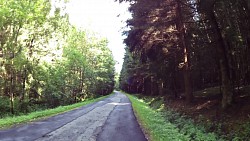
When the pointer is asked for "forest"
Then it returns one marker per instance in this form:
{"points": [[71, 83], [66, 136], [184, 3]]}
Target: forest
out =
{"points": [[45, 61], [186, 64], [191, 53]]}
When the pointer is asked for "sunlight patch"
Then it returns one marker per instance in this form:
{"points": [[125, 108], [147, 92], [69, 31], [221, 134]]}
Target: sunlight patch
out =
{"points": [[121, 104]]}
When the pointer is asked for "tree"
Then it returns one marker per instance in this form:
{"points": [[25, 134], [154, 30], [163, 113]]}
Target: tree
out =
{"points": [[46, 62], [207, 40]]}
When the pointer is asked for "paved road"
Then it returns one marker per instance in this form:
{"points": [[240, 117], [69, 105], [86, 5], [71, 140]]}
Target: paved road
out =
{"points": [[111, 119]]}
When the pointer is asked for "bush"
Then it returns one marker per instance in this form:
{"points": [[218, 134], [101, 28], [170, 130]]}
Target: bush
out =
{"points": [[4, 106], [185, 126]]}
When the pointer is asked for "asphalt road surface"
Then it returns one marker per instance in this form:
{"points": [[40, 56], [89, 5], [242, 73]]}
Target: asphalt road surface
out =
{"points": [[111, 119]]}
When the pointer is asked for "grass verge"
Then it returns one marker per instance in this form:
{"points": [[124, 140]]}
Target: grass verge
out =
{"points": [[10, 121], [163, 125]]}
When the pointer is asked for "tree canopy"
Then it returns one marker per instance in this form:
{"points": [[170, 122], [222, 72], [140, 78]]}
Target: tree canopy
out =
{"points": [[184, 46], [45, 61]]}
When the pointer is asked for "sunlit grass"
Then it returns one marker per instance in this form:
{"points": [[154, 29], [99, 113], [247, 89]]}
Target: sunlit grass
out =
{"points": [[161, 124], [154, 123], [10, 121]]}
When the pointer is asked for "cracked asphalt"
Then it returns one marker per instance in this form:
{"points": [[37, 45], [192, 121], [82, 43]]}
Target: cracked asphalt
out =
{"points": [[111, 119]]}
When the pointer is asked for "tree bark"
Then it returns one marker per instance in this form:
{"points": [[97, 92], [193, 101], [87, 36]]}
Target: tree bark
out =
{"points": [[186, 69], [11, 94], [22, 95], [227, 91]]}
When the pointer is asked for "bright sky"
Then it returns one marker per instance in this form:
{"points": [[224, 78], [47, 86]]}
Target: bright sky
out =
{"points": [[101, 16]]}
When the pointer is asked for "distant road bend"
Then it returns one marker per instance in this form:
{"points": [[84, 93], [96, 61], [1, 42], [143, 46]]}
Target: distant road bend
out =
{"points": [[111, 119]]}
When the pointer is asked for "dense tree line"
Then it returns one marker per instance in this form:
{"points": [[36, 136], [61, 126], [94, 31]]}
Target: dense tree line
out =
{"points": [[45, 61], [180, 46]]}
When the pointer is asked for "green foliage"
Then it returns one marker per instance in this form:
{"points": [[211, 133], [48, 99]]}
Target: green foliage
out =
{"points": [[168, 40], [242, 133], [4, 106], [156, 103], [154, 123], [206, 41], [10, 121], [45, 62], [165, 124], [117, 81]]}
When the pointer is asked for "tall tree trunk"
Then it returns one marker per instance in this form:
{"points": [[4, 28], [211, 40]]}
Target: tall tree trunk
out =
{"points": [[11, 94], [151, 86], [227, 91], [186, 69], [23, 85], [207, 7], [160, 87]]}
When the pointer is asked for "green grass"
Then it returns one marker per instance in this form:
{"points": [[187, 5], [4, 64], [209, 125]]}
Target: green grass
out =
{"points": [[154, 123], [10, 121], [165, 125]]}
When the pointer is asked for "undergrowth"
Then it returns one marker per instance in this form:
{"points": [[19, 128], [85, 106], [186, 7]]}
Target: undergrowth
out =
{"points": [[10, 121], [166, 125]]}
